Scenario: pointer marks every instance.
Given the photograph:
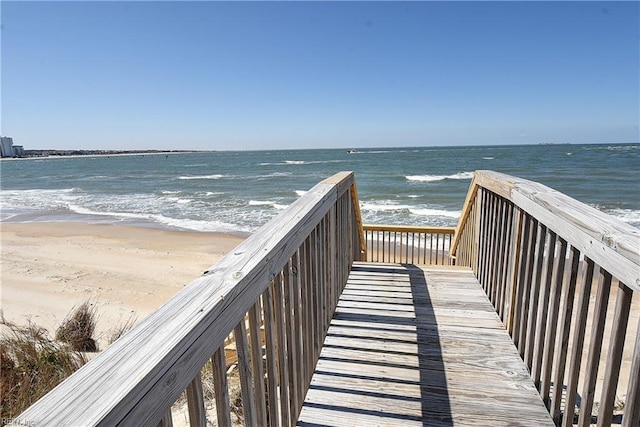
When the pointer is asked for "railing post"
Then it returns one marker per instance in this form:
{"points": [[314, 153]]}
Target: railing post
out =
{"points": [[544, 310], [631, 415], [595, 348], [616, 345], [353, 190], [563, 342], [195, 403], [167, 420], [283, 364], [535, 295], [271, 347], [255, 341], [470, 201], [290, 330], [576, 347], [513, 271], [246, 379], [547, 361], [520, 280]]}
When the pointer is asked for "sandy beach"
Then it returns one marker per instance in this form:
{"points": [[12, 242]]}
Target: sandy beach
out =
{"points": [[48, 268]]}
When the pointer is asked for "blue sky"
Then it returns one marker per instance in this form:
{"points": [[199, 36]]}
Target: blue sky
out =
{"points": [[250, 75]]}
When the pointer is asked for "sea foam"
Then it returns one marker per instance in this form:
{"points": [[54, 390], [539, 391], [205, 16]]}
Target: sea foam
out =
{"points": [[215, 176], [435, 178]]}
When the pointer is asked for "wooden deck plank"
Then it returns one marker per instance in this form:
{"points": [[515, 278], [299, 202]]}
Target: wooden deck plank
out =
{"points": [[418, 347]]}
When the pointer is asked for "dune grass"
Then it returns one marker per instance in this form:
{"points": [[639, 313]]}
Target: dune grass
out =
{"points": [[78, 328], [31, 364], [121, 329]]}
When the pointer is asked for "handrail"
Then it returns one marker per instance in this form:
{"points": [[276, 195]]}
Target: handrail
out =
{"points": [[613, 244], [290, 273], [408, 244], [538, 254]]}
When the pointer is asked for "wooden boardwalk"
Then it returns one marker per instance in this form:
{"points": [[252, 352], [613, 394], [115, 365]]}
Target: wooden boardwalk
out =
{"points": [[418, 347]]}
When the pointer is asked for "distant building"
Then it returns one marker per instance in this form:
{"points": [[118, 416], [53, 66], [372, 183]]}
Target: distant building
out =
{"points": [[18, 151], [6, 147]]}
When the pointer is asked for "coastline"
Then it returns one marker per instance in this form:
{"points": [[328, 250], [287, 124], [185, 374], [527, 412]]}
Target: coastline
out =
{"points": [[100, 153], [48, 268]]}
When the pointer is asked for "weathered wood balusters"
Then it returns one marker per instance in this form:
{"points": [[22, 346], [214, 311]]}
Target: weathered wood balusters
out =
{"points": [[550, 265]]}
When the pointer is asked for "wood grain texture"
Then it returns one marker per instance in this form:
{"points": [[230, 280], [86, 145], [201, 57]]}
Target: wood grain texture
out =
{"points": [[632, 411], [249, 410], [221, 388], [280, 327], [578, 342], [513, 272], [564, 329], [541, 328], [167, 420], [257, 367], [271, 356], [612, 370], [554, 310], [195, 403], [519, 289], [532, 321], [408, 346], [595, 348]]}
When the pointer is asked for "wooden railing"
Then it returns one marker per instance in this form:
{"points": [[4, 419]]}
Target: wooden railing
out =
{"points": [[408, 245], [287, 276], [551, 266]]}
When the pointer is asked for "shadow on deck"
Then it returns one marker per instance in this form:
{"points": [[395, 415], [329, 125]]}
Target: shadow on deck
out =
{"points": [[412, 346]]}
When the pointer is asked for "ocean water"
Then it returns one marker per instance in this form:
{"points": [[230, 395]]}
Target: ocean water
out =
{"points": [[239, 191]]}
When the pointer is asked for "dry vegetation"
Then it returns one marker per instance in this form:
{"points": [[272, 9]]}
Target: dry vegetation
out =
{"points": [[121, 329], [32, 363], [78, 328], [180, 407]]}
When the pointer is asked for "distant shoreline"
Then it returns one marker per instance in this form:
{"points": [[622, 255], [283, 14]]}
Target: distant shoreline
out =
{"points": [[57, 154]]}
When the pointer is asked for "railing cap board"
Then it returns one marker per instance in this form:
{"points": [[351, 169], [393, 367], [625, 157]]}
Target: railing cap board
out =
{"points": [[610, 242], [155, 361], [342, 180]]}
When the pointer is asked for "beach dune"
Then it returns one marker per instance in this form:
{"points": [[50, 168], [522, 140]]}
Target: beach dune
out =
{"points": [[49, 268]]}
